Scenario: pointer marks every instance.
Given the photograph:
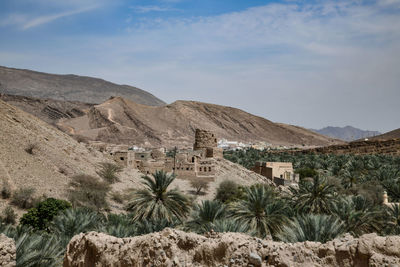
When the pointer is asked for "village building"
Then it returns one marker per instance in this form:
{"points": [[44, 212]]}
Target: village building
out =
{"points": [[281, 173], [199, 162]]}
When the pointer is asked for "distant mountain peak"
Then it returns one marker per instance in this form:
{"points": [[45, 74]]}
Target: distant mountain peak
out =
{"points": [[346, 133]]}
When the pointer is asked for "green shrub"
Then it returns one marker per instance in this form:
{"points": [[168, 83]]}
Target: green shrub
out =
{"points": [[306, 173], [9, 216], [6, 190], [109, 172], [228, 191], [40, 216], [88, 191], [23, 198]]}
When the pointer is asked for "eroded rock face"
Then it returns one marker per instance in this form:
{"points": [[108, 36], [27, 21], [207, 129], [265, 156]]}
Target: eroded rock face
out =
{"points": [[176, 248], [7, 251]]}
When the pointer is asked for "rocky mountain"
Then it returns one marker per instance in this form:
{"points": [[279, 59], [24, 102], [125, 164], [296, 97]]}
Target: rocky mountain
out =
{"points": [[48, 110], [68, 87], [347, 133], [120, 120], [389, 135]]}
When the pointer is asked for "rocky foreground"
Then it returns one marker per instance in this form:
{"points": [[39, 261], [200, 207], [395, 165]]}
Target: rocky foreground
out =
{"points": [[176, 248], [7, 251]]}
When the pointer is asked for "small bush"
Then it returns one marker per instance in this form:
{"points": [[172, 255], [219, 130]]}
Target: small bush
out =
{"points": [[306, 173], [89, 192], [198, 184], [117, 197], [6, 190], [9, 216], [23, 198], [228, 191], [109, 172], [30, 149], [41, 215]]}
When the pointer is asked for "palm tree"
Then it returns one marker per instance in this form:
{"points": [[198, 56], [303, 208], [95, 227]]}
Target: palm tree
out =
{"points": [[118, 225], [358, 215], [75, 221], [393, 223], [311, 227], [227, 226], [38, 250], [150, 226], [393, 189], [260, 210], [156, 202], [314, 196], [205, 215]]}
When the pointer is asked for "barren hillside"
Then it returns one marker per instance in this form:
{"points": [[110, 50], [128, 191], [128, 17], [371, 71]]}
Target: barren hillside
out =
{"points": [[119, 120], [56, 157], [68, 87], [389, 135], [48, 110]]}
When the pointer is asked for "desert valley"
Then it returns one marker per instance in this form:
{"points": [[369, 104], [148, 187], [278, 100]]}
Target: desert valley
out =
{"points": [[177, 133], [70, 167]]}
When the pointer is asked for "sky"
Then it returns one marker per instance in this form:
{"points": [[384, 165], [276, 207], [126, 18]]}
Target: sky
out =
{"points": [[308, 63]]}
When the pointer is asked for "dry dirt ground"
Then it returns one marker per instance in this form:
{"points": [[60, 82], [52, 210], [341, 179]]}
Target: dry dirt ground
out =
{"points": [[176, 248]]}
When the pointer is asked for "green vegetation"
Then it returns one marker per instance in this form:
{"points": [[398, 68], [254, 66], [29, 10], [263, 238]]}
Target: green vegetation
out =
{"points": [[41, 215], [109, 172], [336, 195], [156, 202]]}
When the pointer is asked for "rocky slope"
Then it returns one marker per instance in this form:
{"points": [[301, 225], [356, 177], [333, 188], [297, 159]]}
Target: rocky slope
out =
{"points": [[347, 133], [176, 248], [48, 110], [119, 120], [68, 87], [389, 135], [54, 156]]}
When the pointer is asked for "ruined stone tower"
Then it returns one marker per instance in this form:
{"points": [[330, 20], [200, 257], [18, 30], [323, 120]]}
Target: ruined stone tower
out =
{"points": [[204, 139], [207, 142]]}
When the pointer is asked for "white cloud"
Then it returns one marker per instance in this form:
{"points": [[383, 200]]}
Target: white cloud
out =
{"points": [[49, 18], [147, 9]]}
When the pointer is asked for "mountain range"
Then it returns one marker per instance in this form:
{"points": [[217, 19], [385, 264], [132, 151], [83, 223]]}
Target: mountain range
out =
{"points": [[347, 133], [68, 87]]}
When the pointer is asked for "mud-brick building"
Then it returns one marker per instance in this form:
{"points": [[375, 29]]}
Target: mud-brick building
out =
{"points": [[281, 173], [199, 162]]}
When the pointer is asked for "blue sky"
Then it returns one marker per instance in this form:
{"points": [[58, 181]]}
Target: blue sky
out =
{"points": [[309, 63]]}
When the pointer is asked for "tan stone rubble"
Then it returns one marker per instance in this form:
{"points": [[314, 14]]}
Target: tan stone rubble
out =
{"points": [[7, 251], [176, 248]]}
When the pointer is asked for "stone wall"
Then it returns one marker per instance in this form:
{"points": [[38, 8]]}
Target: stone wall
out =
{"points": [[176, 248]]}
